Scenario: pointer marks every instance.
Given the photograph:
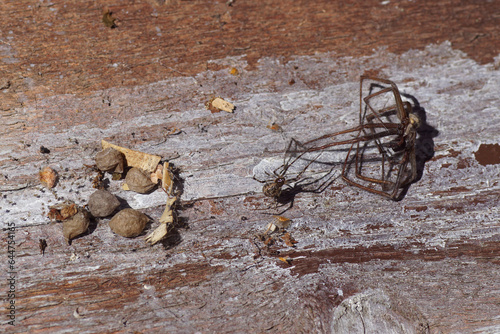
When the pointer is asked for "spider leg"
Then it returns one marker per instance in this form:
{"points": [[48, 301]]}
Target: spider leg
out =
{"points": [[291, 160], [272, 176], [275, 205], [256, 179], [323, 182], [307, 166]]}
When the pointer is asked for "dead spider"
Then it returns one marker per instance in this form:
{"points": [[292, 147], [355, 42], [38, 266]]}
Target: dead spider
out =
{"points": [[393, 141], [384, 158], [273, 187]]}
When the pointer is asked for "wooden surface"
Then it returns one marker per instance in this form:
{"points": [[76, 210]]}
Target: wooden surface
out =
{"points": [[428, 263]]}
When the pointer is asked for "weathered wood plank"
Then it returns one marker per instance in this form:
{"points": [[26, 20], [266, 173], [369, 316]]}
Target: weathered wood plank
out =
{"points": [[429, 261]]}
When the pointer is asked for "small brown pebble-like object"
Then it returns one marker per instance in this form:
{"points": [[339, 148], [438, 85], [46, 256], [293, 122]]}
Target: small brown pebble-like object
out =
{"points": [[128, 223], [139, 181], [110, 160], [102, 203], [76, 225]]}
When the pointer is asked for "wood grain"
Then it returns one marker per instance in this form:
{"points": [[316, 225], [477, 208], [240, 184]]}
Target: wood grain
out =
{"points": [[429, 262]]}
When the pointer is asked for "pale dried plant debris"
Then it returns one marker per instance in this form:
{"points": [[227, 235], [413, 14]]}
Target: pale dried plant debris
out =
{"points": [[167, 179], [276, 232], [48, 177], [145, 161], [282, 222], [217, 103], [62, 211], [279, 223], [167, 219], [166, 222], [157, 174]]}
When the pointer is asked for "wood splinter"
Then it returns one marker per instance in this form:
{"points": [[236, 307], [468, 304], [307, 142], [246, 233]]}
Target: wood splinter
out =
{"points": [[217, 104], [144, 161], [166, 221]]}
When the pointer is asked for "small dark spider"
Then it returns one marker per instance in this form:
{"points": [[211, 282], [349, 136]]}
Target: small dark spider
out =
{"points": [[274, 187]]}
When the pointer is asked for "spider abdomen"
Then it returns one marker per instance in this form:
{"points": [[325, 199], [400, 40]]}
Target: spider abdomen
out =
{"points": [[274, 188]]}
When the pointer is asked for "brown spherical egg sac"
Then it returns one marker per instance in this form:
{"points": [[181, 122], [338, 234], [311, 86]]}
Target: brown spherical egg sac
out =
{"points": [[128, 223], [110, 160], [76, 225], [102, 203], [138, 181]]}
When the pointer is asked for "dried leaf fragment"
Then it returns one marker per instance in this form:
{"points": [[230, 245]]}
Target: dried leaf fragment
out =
{"points": [[279, 223], [128, 223], [287, 260], [270, 228], [69, 210], [282, 222], [268, 241], [157, 174], [166, 221], [222, 104], [167, 180], [210, 107], [144, 161], [62, 211], [107, 19], [168, 215], [234, 71], [159, 233], [217, 103], [289, 240], [275, 127], [97, 182], [48, 177]]}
